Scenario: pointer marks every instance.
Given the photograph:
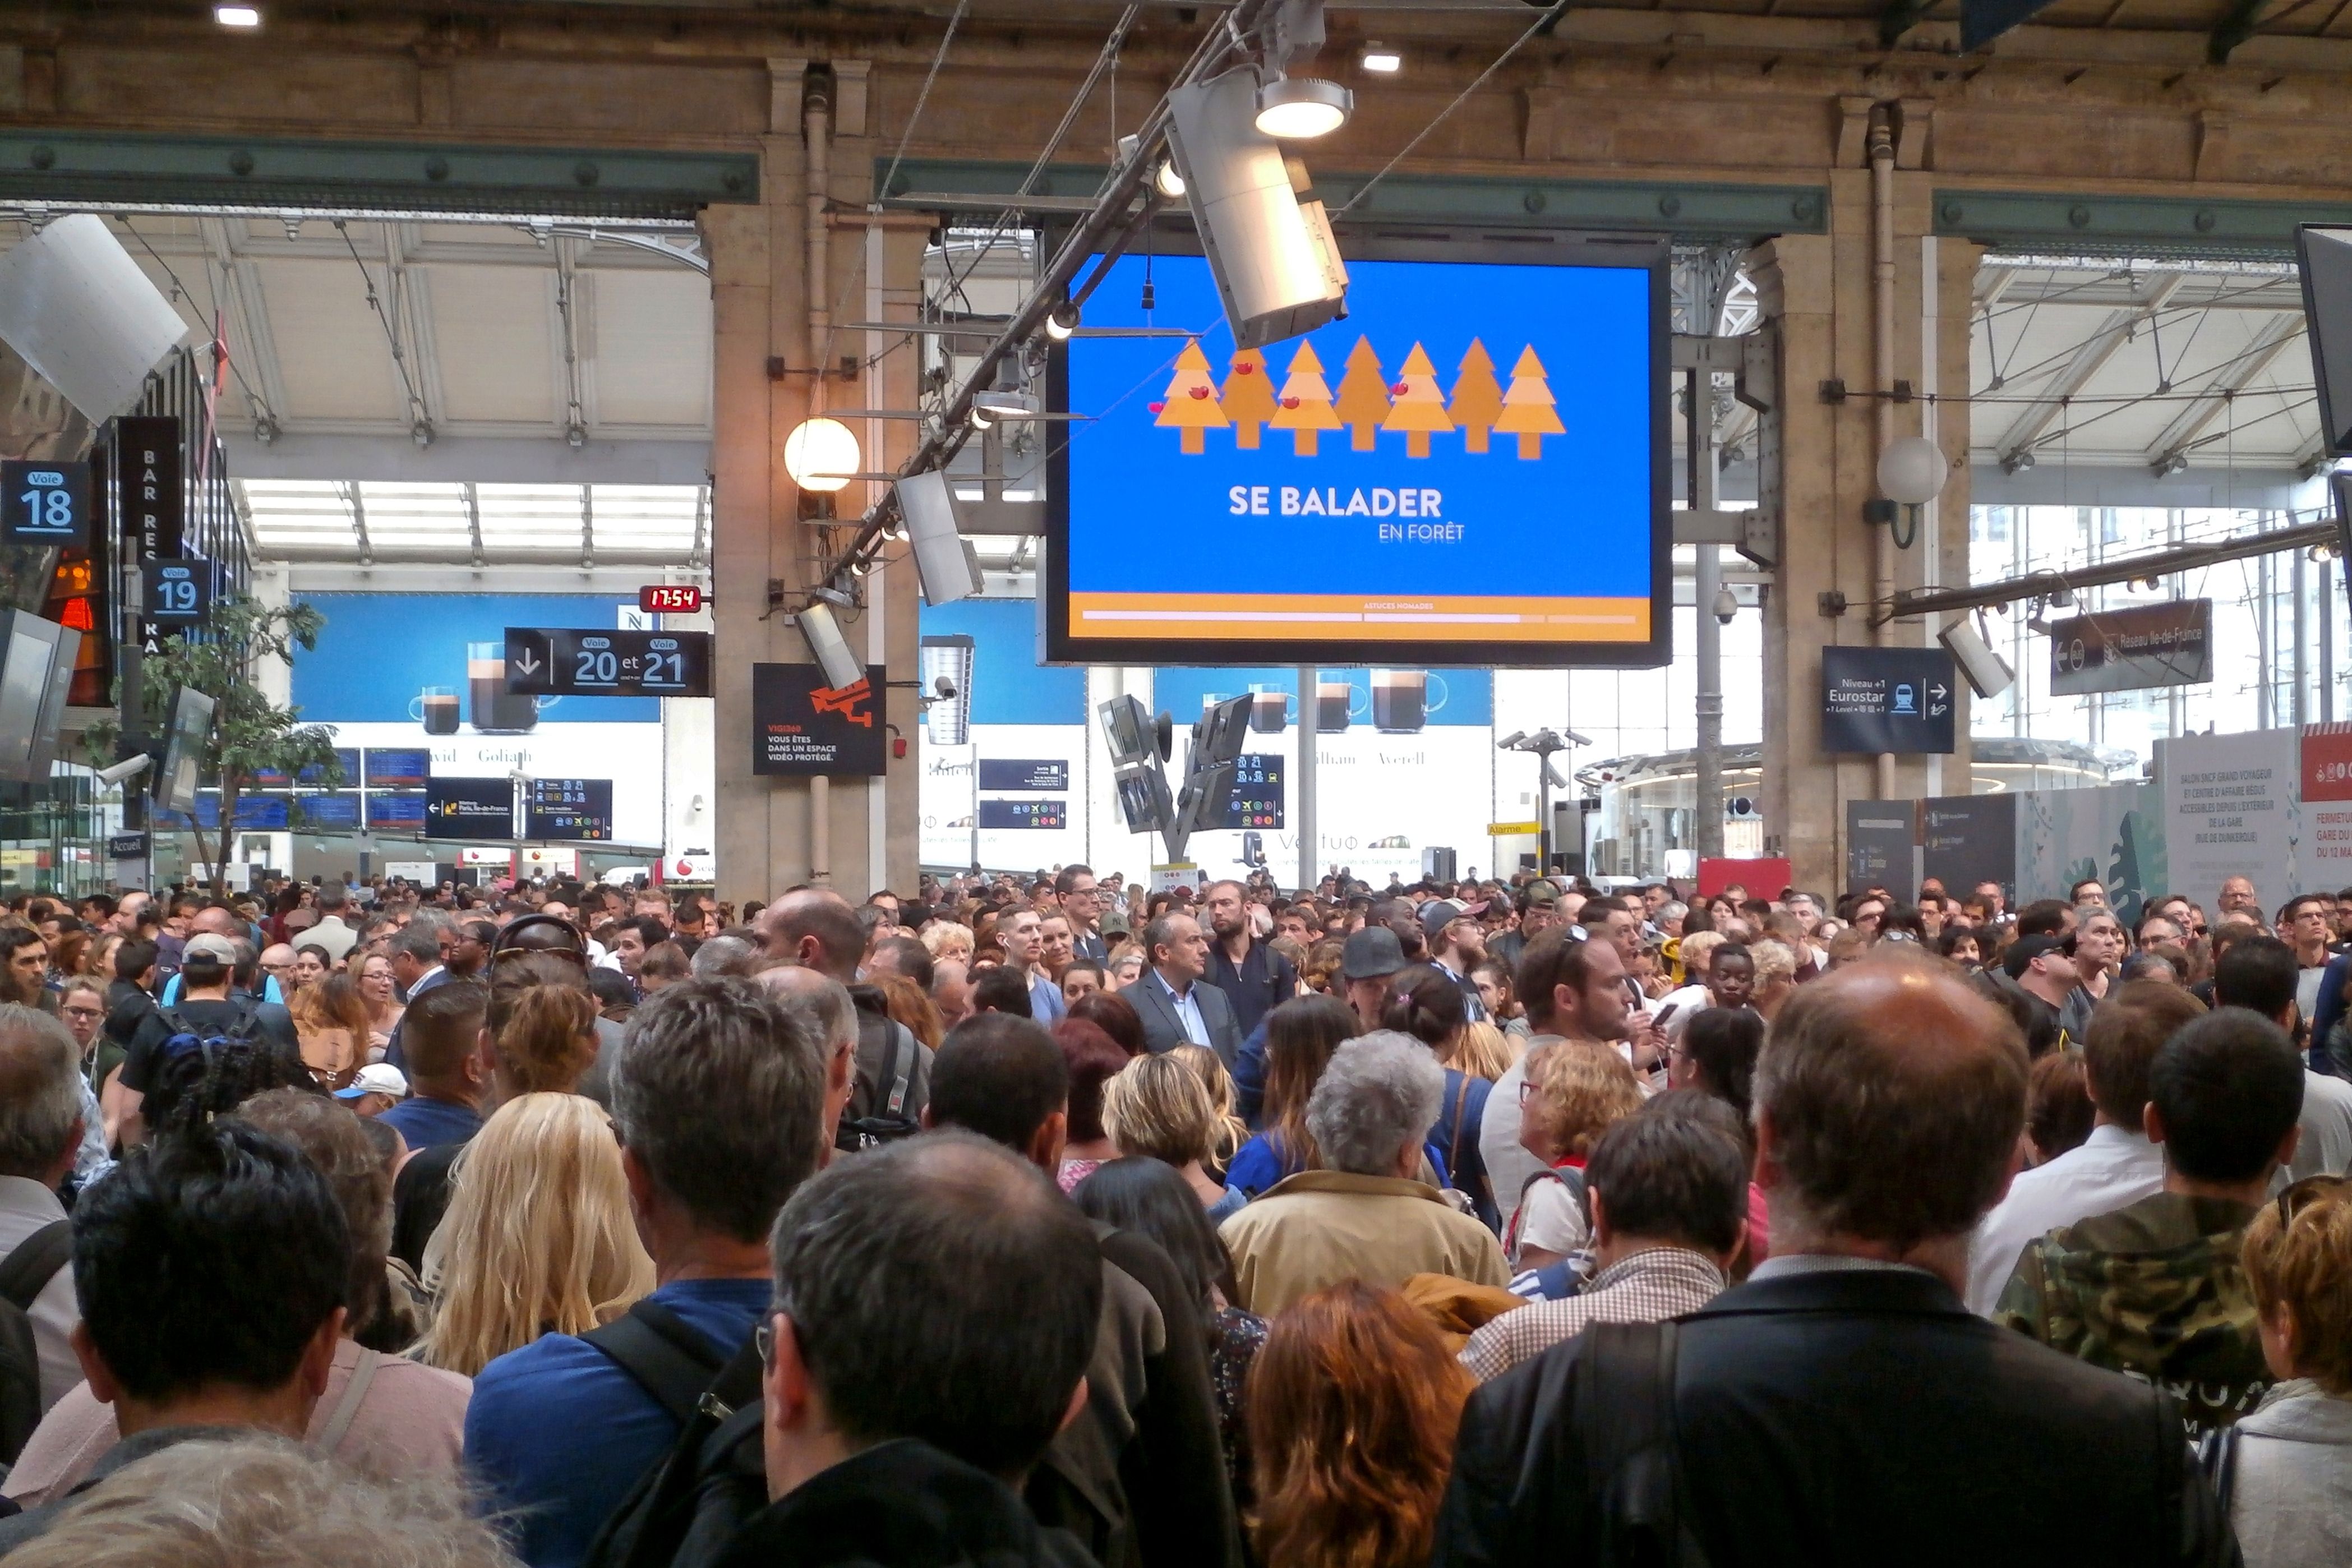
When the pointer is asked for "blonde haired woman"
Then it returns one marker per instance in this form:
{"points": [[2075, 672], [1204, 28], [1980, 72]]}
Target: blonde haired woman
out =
{"points": [[537, 1238], [333, 1021], [1158, 1108]]}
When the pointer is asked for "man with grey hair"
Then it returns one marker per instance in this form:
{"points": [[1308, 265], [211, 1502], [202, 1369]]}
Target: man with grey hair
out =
{"points": [[41, 1121], [825, 1004], [726, 953], [896, 1385], [718, 1101], [1172, 997], [417, 952], [1364, 1214]]}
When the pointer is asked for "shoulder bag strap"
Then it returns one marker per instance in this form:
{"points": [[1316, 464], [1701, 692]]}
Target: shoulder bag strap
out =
{"points": [[670, 1360], [35, 1262], [347, 1410], [1453, 1144]]}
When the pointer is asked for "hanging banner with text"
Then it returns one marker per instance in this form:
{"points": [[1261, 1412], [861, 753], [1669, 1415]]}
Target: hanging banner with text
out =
{"points": [[2327, 854], [2132, 650], [2233, 807]]}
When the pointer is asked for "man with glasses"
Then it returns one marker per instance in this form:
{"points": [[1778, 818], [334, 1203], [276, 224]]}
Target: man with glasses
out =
{"points": [[1082, 901], [1539, 912], [2304, 925]]}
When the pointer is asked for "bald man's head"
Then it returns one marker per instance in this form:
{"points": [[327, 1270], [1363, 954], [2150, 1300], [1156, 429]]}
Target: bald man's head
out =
{"points": [[1890, 1096], [816, 927]]}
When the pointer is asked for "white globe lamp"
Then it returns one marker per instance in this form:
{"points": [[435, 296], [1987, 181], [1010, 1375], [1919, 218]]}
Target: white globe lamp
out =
{"points": [[820, 455]]}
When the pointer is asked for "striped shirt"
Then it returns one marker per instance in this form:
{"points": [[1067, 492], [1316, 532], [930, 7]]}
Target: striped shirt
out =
{"points": [[1650, 1286]]}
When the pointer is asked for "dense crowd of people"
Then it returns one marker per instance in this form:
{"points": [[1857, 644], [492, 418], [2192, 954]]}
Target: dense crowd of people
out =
{"points": [[1058, 1221]]}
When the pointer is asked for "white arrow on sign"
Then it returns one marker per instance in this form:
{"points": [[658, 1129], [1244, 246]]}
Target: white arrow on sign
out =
{"points": [[528, 663], [1939, 692]]}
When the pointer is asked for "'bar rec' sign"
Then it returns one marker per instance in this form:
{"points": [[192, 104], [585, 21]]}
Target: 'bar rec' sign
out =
{"points": [[155, 502]]}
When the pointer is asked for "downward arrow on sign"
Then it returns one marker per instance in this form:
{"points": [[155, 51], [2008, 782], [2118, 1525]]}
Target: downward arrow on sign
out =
{"points": [[528, 663]]}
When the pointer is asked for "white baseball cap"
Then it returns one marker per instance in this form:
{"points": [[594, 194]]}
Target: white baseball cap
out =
{"points": [[376, 1078]]}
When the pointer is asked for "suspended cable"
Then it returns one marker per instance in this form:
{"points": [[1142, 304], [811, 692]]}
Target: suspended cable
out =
{"points": [[416, 409], [1542, 25]]}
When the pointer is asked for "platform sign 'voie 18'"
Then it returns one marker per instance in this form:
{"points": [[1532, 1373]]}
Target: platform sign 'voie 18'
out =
{"points": [[46, 503], [552, 661]]}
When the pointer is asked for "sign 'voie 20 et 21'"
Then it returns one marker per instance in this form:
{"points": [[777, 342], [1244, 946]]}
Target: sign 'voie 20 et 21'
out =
{"points": [[571, 661]]}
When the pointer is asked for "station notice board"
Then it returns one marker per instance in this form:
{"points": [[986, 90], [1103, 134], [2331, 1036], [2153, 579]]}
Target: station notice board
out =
{"points": [[801, 727], [1887, 699]]}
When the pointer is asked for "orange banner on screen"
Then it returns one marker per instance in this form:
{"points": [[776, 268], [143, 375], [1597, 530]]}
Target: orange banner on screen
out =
{"points": [[1243, 617]]}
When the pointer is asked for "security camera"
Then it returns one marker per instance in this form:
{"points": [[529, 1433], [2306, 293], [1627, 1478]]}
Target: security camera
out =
{"points": [[1727, 605], [128, 768], [1987, 673], [945, 689]]}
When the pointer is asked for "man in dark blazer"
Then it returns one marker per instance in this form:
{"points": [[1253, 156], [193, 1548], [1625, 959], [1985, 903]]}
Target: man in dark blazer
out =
{"points": [[1177, 1006], [1843, 1406]]}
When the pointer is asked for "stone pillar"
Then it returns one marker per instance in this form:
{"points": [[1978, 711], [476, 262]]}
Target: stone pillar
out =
{"points": [[765, 381], [1818, 473]]}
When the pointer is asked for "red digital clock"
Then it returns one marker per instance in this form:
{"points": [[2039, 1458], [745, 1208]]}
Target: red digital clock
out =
{"points": [[669, 598]]}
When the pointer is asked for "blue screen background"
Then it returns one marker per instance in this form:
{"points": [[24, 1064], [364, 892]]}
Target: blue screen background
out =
{"points": [[1145, 518]]}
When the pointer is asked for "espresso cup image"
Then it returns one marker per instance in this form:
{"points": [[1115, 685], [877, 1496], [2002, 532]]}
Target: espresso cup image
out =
{"points": [[436, 707], [497, 711], [1333, 701], [1269, 709], [1400, 700]]}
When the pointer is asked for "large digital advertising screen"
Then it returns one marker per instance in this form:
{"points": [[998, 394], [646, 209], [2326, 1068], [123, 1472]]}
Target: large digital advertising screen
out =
{"points": [[1469, 469]]}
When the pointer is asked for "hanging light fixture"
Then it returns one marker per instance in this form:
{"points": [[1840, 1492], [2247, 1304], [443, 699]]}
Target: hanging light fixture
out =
{"points": [[1299, 109], [1061, 322], [820, 455]]}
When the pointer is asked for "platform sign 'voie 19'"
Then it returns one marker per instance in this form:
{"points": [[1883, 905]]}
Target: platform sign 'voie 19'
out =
{"points": [[552, 661]]}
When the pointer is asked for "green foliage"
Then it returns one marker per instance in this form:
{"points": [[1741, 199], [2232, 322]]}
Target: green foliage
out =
{"points": [[251, 734]]}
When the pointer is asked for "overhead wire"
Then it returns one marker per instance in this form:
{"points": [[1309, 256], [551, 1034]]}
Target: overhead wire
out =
{"points": [[234, 368], [416, 408]]}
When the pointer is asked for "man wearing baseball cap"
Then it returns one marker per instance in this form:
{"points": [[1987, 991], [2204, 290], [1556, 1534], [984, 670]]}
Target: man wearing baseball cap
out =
{"points": [[1456, 943], [1539, 912], [379, 1087]]}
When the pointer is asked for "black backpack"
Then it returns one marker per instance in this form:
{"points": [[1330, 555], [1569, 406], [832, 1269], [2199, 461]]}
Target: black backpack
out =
{"points": [[892, 1116], [1623, 1395], [23, 1277], [186, 1039], [684, 1510]]}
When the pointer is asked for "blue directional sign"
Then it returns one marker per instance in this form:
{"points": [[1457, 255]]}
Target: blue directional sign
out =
{"points": [[179, 593], [1887, 699], [46, 503], [557, 661]]}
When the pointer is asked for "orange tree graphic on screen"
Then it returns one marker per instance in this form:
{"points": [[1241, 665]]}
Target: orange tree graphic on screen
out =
{"points": [[1190, 403], [1419, 408], [1248, 400], [1363, 396], [1304, 405], [1477, 399], [1527, 407]]}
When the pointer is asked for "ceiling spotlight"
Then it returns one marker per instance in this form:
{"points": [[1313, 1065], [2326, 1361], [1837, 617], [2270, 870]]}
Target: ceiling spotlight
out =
{"points": [[264, 430], [420, 433], [857, 566], [1301, 107], [820, 455], [237, 15], [1380, 59], [575, 436], [1061, 322], [1171, 183], [979, 419]]}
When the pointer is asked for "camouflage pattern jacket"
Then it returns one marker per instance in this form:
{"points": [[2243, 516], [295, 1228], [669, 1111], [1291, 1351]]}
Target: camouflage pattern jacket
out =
{"points": [[2153, 1291]]}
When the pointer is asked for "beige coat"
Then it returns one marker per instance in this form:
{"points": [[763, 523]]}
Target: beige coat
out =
{"points": [[1319, 1227]]}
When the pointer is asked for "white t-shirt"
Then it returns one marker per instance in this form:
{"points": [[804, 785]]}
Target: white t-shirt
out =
{"points": [[1549, 1218]]}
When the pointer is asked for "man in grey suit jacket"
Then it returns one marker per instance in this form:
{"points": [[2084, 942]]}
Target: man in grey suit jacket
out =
{"points": [[1177, 1006]]}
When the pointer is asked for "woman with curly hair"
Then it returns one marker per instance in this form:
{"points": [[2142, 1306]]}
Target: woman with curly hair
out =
{"points": [[333, 1020], [1353, 1401]]}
